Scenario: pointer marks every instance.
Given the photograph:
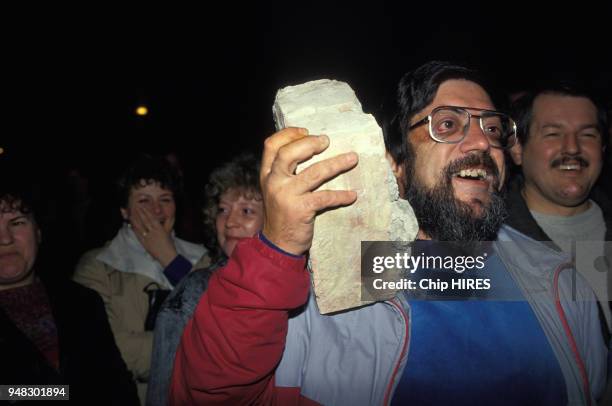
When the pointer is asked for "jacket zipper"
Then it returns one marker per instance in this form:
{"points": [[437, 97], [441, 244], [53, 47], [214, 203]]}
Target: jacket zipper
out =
{"points": [[570, 336], [387, 399]]}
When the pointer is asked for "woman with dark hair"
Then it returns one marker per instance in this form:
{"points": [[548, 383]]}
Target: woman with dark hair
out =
{"points": [[134, 272], [233, 210], [53, 331]]}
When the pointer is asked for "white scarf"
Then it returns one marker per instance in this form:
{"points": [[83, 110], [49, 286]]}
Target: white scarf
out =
{"points": [[126, 254]]}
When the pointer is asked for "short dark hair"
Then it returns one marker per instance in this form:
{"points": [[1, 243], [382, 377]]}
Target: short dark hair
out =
{"points": [[415, 91], [242, 172], [522, 108], [148, 170], [16, 198]]}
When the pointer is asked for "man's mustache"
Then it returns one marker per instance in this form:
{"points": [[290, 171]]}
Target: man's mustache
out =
{"points": [[481, 159], [568, 160]]}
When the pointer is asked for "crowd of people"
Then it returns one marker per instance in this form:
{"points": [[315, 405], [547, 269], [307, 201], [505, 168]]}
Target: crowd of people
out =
{"points": [[155, 319]]}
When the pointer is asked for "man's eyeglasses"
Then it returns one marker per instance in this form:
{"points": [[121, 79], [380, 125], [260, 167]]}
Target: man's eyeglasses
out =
{"points": [[450, 125]]}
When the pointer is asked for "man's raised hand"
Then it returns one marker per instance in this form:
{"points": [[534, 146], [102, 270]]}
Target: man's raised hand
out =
{"points": [[290, 199]]}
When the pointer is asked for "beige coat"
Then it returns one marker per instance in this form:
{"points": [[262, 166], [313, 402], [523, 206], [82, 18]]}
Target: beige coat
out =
{"points": [[126, 305]]}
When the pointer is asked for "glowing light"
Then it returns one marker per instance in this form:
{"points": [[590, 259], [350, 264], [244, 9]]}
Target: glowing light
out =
{"points": [[142, 111]]}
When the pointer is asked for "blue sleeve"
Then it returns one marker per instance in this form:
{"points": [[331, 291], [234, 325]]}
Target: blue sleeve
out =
{"points": [[177, 269], [274, 247]]}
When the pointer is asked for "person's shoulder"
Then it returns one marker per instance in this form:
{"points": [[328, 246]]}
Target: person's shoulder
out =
{"points": [[91, 255], [89, 264]]}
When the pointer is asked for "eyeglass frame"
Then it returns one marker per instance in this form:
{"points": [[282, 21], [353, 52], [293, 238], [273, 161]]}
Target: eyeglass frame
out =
{"points": [[427, 119]]}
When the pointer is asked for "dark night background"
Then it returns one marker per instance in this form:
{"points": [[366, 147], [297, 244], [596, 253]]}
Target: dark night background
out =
{"points": [[72, 78]]}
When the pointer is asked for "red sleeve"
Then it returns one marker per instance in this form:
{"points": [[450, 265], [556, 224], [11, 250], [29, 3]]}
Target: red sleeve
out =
{"points": [[232, 345]]}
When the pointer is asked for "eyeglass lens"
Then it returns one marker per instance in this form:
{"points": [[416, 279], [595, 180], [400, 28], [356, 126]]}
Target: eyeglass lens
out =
{"points": [[450, 125]]}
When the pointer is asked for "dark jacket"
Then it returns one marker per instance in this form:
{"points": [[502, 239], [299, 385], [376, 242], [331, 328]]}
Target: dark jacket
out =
{"points": [[89, 359]]}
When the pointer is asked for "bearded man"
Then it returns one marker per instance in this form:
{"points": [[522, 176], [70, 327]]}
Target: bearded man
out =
{"points": [[247, 343]]}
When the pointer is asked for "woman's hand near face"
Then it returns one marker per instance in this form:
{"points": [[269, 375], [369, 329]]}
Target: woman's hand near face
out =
{"points": [[154, 237]]}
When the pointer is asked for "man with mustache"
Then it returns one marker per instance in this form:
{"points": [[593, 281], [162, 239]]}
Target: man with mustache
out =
{"points": [[257, 337], [563, 132]]}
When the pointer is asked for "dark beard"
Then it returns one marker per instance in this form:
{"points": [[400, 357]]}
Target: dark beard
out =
{"points": [[443, 217]]}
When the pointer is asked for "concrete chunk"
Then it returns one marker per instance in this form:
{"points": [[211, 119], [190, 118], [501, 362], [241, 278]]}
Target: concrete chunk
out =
{"points": [[330, 107]]}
